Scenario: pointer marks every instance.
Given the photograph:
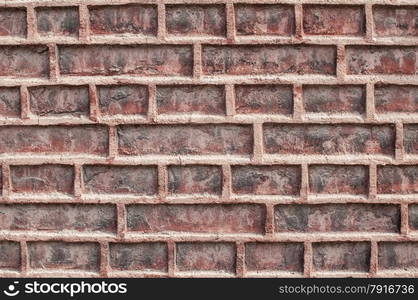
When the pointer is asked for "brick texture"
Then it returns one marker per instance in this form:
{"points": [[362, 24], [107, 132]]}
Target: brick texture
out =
{"points": [[224, 138]]}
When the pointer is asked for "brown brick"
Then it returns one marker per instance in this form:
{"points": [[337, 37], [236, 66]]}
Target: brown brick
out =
{"points": [[24, 61], [58, 217], [9, 255], [218, 257], [205, 218], [185, 139], [334, 99], [195, 179], [58, 21], [329, 139], [413, 216], [123, 99], [264, 19], [398, 256], [333, 20], [380, 60], [411, 138], [58, 100], [395, 20], [113, 179], [64, 256], [333, 179], [337, 218], [397, 179], [255, 60], [139, 256], [119, 19], [396, 98], [13, 22], [109, 60], [274, 257], [191, 99], [339, 256], [197, 20], [264, 99], [266, 180], [9, 102], [42, 179]]}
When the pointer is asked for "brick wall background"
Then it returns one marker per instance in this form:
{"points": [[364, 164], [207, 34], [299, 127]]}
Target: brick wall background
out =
{"points": [[209, 138]]}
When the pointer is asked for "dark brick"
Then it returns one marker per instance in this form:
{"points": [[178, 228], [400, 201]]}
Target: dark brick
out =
{"points": [[9, 102], [396, 98], [398, 256], [411, 138], [397, 179], [24, 61], [9, 255], [61, 21], [13, 22], [395, 20], [123, 99]]}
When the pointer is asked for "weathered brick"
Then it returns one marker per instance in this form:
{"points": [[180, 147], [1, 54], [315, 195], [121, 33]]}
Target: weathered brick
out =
{"points": [[274, 257], [58, 217], [395, 20], [334, 99], [24, 61], [119, 19], [185, 139], [266, 180], [333, 20], [329, 139], [218, 257], [42, 179], [255, 60], [58, 100], [195, 179], [413, 216], [9, 255], [264, 99], [197, 20], [57, 21], [109, 60], [1, 181], [54, 139], [205, 218], [397, 179], [9, 102], [123, 99], [64, 256], [396, 98], [334, 179], [337, 218], [138, 256], [338, 256], [113, 179], [191, 99], [411, 138], [380, 60], [398, 256], [13, 22], [264, 19]]}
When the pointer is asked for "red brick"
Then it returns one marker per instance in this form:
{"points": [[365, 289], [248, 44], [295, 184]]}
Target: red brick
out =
{"points": [[123, 99], [333, 179], [64, 256], [109, 60], [103, 179], [58, 217], [1, 181], [42, 179], [58, 100], [261, 257], [266, 180], [57, 21], [9, 102], [219, 257], [204, 218], [334, 99], [396, 98], [54, 139], [264, 99], [255, 60], [197, 20], [9, 255], [119, 19], [329, 139], [337, 218], [24, 61], [191, 99], [13, 22], [398, 256], [397, 179], [395, 20], [195, 179], [413, 217], [264, 19], [411, 139], [380, 60], [185, 139], [139, 256], [338, 256], [333, 20]]}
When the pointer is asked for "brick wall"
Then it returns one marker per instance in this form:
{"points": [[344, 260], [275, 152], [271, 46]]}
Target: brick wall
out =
{"points": [[209, 138]]}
